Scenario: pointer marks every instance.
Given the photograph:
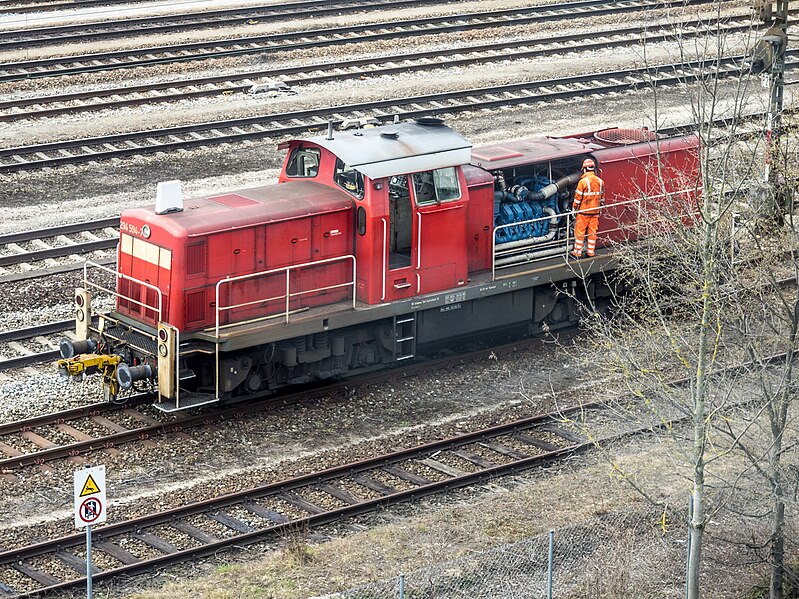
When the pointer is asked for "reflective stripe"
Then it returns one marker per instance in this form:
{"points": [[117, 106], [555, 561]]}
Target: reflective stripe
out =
{"points": [[146, 251]]}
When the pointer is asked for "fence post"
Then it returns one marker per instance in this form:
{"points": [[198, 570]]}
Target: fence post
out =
{"points": [[551, 560], [402, 586], [688, 542]]}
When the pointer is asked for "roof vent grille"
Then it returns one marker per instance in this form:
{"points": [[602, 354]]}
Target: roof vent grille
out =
{"points": [[623, 137]]}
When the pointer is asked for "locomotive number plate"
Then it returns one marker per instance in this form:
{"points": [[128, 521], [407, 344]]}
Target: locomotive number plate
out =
{"points": [[454, 298]]}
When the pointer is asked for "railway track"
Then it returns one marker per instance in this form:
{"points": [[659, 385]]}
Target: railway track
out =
{"points": [[25, 346], [50, 437], [32, 254], [27, 343], [109, 29], [404, 29], [28, 6], [62, 432], [125, 96], [267, 511], [291, 123]]}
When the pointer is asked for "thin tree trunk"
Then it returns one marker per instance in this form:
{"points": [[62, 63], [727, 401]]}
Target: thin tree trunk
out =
{"points": [[778, 419], [695, 530], [700, 427], [777, 542]]}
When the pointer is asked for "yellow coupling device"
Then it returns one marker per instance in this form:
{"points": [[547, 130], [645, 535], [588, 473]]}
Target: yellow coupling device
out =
{"points": [[91, 364]]}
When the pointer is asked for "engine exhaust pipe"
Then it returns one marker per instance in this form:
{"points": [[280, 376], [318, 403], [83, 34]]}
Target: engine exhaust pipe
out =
{"points": [[127, 375], [70, 349]]}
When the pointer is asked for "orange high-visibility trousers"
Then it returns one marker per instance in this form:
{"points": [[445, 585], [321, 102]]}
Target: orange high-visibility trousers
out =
{"points": [[585, 223]]}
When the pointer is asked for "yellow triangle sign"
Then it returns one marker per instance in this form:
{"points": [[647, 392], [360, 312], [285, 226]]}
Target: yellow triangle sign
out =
{"points": [[89, 487]]}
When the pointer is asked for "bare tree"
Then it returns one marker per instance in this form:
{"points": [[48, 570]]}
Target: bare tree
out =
{"points": [[766, 315], [692, 307]]}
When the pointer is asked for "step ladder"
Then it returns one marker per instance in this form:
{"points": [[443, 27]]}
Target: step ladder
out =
{"points": [[404, 337]]}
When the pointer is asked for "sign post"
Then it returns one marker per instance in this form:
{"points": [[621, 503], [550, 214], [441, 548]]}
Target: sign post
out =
{"points": [[90, 508]]}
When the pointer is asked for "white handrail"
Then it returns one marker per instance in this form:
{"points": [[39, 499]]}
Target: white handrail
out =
{"points": [[566, 241], [419, 243], [119, 275], [287, 270], [385, 259]]}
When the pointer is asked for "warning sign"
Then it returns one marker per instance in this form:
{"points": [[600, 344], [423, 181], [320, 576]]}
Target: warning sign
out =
{"points": [[89, 487], [90, 502]]}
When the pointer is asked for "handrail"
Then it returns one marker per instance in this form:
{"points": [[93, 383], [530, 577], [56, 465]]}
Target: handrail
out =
{"points": [[118, 275], [288, 295], [385, 258], [566, 241]]}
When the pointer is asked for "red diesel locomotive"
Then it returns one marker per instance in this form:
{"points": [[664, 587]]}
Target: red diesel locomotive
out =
{"points": [[374, 245]]}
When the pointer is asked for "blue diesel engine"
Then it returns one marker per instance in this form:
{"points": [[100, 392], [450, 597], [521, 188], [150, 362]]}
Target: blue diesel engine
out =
{"points": [[521, 203]]}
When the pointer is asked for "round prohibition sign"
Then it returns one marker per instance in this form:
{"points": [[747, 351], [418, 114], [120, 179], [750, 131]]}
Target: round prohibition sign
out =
{"points": [[90, 509]]}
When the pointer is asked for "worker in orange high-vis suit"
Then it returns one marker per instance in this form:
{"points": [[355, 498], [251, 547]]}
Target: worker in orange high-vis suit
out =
{"points": [[588, 200]]}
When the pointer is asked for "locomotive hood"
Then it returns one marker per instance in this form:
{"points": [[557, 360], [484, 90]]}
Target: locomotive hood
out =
{"points": [[255, 206]]}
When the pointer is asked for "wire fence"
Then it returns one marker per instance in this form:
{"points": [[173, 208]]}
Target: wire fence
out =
{"points": [[580, 561]]}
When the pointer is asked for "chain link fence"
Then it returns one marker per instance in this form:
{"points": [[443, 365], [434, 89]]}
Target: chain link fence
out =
{"points": [[617, 556]]}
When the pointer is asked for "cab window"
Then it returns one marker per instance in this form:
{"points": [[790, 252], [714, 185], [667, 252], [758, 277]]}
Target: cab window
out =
{"points": [[434, 187], [303, 162], [348, 178]]}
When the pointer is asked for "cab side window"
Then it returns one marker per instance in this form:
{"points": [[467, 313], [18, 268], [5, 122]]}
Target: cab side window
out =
{"points": [[303, 162], [434, 187], [348, 178]]}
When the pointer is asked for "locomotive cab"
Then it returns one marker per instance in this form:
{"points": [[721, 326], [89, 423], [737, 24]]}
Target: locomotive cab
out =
{"points": [[412, 202]]}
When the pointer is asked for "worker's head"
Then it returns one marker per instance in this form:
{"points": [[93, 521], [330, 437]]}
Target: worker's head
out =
{"points": [[588, 165]]}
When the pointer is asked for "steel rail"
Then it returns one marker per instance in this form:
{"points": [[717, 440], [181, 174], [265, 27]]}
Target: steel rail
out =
{"points": [[109, 29], [33, 358], [23, 6], [271, 125], [14, 71], [29, 360], [334, 71], [49, 271], [12, 463], [58, 252], [238, 410], [34, 331], [59, 230], [63, 416]]}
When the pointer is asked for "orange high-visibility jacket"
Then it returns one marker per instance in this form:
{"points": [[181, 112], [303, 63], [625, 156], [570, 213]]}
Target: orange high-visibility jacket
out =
{"points": [[590, 194]]}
